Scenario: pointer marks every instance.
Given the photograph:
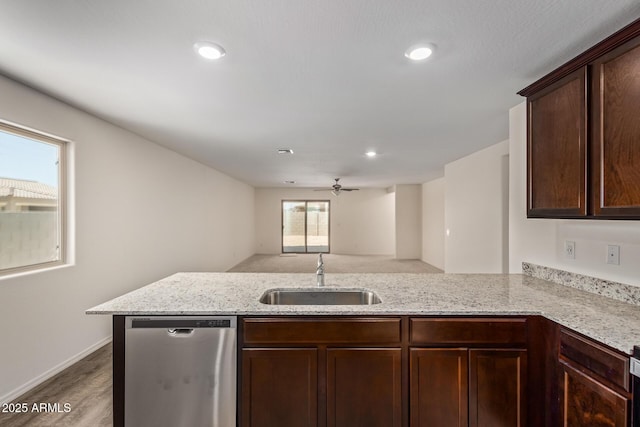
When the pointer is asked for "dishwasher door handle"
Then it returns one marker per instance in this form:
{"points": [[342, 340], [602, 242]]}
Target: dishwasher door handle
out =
{"points": [[180, 332]]}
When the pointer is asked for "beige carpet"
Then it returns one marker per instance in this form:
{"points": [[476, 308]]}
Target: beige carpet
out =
{"points": [[306, 263]]}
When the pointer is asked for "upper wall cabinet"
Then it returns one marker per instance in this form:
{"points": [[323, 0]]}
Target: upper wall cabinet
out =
{"points": [[615, 136], [583, 134], [556, 153]]}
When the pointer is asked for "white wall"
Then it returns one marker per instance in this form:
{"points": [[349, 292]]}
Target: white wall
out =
{"points": [[485, 238], [361, 222], [433, 223], [476, 212], [142, 212], [541, 241], [408, 221]]}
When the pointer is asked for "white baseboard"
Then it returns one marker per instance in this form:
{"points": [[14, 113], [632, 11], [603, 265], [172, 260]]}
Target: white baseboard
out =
{"points": [[7, 398]]}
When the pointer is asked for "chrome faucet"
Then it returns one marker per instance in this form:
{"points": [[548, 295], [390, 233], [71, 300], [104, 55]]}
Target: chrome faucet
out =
{"points": [[320, 272]]}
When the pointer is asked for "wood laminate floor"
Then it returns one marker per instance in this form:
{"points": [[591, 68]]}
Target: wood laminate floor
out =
{"points": [[86, 387]]}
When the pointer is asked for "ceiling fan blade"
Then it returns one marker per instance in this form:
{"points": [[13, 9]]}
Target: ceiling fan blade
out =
{"points": [[336, 188]]}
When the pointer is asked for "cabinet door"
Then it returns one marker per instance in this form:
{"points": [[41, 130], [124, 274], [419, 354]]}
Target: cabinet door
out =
{"points": [[438, 387], [279, 388], [556, 146], [587, 403], [364, 387], [616, 132], [497, 388]]}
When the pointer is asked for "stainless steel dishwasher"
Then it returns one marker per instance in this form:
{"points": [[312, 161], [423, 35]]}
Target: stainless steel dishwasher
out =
{"points": [[180, 371]]}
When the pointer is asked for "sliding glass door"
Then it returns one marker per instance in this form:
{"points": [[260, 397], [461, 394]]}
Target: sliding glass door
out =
{"points": [[294, 230], [305, 226], [317, 226]]}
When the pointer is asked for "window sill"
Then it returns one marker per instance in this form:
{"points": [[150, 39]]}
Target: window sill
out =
{"points": [[35, 271]]}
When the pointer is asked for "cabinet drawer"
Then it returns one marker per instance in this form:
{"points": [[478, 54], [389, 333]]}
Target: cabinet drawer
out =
{"points": [[596, 358], [463, 331], [320, 331]]}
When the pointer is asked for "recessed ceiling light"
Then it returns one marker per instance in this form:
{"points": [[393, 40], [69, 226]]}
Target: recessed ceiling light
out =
{"points": [[285, 151], [419, 52], [371, 153], [209, 50]]}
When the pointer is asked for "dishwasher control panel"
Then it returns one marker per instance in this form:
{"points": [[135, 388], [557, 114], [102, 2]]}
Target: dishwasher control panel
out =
{"points": [[150, 322]]}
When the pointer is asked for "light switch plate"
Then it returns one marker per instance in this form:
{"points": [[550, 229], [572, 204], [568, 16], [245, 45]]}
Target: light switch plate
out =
{"points": [[569, 249], [613, 254]]}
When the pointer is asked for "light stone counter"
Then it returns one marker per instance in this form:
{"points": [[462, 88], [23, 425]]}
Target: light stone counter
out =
{"points": [[612, 322]]}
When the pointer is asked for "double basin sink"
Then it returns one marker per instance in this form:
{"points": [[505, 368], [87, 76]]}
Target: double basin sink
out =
{"points": [[319, 296]]}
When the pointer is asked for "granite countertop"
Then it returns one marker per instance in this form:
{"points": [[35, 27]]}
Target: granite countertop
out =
{"points": [[611, 322]]}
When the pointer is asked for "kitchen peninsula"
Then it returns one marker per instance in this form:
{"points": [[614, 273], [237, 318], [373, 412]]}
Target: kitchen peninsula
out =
{"points": [[532, 340]]}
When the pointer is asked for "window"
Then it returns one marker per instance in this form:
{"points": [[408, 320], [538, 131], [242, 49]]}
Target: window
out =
{"points": [[305, 226], [32, 205]]}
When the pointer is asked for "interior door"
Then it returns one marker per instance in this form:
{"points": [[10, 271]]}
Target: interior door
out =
{"points": [[305, 226]]}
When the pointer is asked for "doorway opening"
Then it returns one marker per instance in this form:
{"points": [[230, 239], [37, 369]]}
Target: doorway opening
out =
{"points": [[305, 226]]}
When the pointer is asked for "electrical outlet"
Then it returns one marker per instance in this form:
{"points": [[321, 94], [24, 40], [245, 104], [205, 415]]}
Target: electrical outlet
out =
{"points": [[613, 254], [569, 249]]}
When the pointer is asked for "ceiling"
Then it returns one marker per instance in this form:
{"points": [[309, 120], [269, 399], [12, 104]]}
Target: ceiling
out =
{"points": [[327, 79]]}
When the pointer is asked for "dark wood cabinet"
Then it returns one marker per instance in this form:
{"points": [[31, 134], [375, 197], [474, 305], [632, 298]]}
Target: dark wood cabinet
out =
{"points": [[594, 384], [589, 403], [468, 387], [310, 331], [439, 387], [279, 387], [616, 132], [328, 371], [468, 332], [427, 372], [497, 388], [364, 387], [583, 134], [609, 365], [556, 149], [476, 376], [358, 387]]}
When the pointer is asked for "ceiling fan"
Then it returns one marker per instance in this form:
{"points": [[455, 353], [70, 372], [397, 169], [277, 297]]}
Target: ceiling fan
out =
{"points": [[336, 188]]}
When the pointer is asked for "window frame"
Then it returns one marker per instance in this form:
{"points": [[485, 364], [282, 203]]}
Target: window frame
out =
{"points": [[63, 147]]}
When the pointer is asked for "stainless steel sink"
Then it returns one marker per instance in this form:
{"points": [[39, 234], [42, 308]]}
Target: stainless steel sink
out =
{"points": [[313, 296]]}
